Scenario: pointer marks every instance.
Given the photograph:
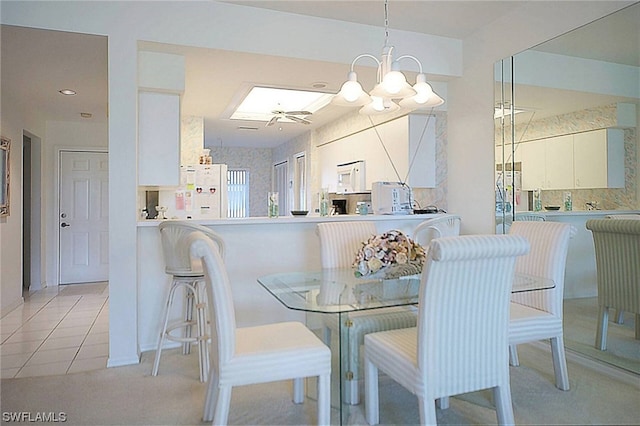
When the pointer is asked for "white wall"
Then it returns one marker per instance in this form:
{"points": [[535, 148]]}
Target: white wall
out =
{"points": [[226, 26], [13, 121]]}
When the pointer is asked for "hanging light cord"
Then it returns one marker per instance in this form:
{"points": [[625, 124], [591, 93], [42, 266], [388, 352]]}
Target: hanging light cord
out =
{"points": [[386, 22]]}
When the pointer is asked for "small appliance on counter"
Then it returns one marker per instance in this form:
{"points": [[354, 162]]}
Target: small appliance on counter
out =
{"points": [[351, 177], [391, 198]]}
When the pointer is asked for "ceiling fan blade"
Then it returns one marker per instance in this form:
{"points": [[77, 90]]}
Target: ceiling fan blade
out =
{"points": [[273, 120], [298, 113], [297, 119]]}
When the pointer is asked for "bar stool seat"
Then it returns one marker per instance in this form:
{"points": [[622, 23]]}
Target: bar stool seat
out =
{"points": [[187, 275]]}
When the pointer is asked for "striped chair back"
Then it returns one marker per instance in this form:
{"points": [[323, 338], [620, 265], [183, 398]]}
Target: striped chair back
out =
{"points": [[340, 241]]}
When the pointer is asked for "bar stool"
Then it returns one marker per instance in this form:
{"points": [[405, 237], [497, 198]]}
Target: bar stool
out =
{"points": [[188, 275]]}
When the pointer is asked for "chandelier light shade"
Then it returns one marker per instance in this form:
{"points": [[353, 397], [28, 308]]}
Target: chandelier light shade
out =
{"points": [[392, 90]]}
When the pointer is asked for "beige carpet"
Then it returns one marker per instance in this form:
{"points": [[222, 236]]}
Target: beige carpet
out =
{"points": [[580, 322], [130, 396]]}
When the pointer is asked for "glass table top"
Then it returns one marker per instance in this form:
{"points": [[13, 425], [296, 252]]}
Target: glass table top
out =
{"points": [[339, 290]]}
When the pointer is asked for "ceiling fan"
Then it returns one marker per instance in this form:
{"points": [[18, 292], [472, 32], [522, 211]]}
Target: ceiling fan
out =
{"points": [[297, 116]]}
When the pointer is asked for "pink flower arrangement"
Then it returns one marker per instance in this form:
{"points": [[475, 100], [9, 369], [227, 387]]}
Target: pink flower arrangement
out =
{"points": [[391, 254]]}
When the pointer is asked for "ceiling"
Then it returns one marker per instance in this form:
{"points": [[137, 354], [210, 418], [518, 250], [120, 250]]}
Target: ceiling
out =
{"points": [[37, 63]]}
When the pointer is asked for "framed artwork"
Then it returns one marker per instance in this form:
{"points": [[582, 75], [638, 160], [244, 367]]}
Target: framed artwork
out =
{"points": [[5, 145]]}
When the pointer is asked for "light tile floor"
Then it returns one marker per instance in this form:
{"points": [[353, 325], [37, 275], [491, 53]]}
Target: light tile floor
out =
{"points": [[58, 330]]}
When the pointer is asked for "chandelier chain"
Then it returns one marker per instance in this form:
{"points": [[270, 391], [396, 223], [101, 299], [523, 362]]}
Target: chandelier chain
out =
{"points": [[386, 22]]}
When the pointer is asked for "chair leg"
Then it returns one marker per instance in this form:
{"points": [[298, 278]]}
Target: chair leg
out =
{"points": [[619, 317], [560, 363], [637, 326], [298, 390], [504, 407], [513, 356], [326, 335], [189, 300], [371, 393], [324, 399], [352, 393], [203, 337], [427, 409], [211, 397], [221, 412], [601, 333], [163, 329], [443, 403]]}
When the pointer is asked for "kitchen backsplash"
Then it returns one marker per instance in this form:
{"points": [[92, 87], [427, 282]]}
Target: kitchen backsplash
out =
{"points": [[580, 121]]}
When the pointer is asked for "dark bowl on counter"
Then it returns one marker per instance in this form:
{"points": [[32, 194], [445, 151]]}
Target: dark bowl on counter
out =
{"points": [[299, 212], [552, 208]]}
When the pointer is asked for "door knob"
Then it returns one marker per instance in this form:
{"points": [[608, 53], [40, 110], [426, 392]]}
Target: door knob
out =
{"points": [[64, 225]]}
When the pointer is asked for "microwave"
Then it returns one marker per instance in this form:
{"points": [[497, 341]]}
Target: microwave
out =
{"points": [[351, 177], [391, 198]]}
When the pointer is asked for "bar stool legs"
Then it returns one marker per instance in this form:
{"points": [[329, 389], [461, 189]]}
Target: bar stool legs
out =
{"points": [[194, 298]]}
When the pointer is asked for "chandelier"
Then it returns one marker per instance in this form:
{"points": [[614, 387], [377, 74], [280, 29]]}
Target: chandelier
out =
{"points": [[392, 90]]}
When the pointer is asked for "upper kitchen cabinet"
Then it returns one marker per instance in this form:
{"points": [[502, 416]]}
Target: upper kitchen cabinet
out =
{"points": [[547, 163], [161, 79], [532, 156], [158, 139], [559, 167], [586, 160], [598, 158], [402, 149]]}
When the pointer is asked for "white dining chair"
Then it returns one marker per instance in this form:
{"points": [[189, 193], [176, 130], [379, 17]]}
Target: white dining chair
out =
{"points": [[460, 342], [617, 247], [187, 274], [619, 316], [259, 354], [447, 225], [537, 315], [339, 243]]}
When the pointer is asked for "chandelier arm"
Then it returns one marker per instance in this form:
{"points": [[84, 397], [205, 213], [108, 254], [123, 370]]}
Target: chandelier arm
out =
{"points": [[364, 55], [411, 57]]}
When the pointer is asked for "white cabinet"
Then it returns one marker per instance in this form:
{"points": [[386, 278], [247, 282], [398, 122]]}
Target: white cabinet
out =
{"points": [[599, 159], [402, 149], [158, 139], [584, 160], [559, 162], [532, 158]]}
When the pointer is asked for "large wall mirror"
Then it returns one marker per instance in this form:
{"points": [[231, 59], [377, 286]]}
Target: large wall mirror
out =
{"points": [[583, 85], [5, 145]]}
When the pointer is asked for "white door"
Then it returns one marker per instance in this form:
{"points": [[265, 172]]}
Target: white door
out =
{"points": [[83, 217], [281, 173]]}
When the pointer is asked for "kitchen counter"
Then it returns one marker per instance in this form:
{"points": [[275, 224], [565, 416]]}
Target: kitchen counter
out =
{"points": [[254, 246], [589, 213], [310, 218]]}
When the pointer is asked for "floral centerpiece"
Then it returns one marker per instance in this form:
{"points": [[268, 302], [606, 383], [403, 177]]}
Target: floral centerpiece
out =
{"points": [[389, 255]]}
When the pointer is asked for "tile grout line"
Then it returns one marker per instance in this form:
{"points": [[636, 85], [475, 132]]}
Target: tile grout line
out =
{"points": [[85, 336]]}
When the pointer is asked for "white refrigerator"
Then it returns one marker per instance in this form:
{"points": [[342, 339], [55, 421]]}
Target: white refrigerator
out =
{"points": [[202, 193]]}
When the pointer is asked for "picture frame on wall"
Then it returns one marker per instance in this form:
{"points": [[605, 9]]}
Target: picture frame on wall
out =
{"points": [[5, 145]]}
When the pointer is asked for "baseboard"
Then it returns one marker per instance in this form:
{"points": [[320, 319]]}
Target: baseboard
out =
{"points": [[120, 362]]}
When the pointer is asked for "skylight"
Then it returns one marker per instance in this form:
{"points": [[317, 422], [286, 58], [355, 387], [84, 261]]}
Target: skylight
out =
{"points": [[261, 102]]}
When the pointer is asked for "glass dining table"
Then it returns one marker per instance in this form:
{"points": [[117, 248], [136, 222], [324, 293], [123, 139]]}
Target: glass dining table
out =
{"points": [[339, 293]]}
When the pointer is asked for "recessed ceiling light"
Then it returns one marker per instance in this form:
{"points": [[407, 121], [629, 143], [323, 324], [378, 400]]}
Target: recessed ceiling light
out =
{"points": [[261, 102], [67, 92], [319, 84], [86, 115]]}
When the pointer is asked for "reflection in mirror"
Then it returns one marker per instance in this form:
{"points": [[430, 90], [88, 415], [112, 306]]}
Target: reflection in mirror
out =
{"points": [[4, 176], [566, 122]]}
